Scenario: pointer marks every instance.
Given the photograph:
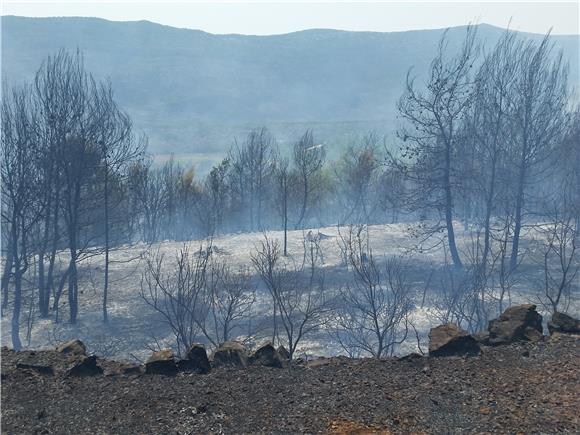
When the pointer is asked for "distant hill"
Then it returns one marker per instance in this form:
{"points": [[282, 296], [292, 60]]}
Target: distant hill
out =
{"points": [[192, 91]]}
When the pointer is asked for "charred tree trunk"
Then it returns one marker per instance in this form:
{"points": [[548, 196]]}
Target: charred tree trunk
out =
{"points": [[449, 209]]}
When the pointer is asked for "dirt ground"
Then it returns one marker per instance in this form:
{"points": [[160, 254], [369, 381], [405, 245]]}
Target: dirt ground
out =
{"points": [[520, 388]]}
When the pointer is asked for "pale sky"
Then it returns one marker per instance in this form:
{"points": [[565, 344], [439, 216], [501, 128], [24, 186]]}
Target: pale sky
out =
{"points": [[270, 17]]}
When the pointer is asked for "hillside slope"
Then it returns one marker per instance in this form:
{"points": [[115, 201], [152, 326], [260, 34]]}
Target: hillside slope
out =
{"points": [[520, 388], [192, 91]]}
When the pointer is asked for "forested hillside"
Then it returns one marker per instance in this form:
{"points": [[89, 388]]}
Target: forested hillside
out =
{"points": [[192, 92]]}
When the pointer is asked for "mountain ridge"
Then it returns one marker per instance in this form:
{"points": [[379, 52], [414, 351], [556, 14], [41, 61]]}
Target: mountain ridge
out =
{"points": [[192, 91], [313, 29]]}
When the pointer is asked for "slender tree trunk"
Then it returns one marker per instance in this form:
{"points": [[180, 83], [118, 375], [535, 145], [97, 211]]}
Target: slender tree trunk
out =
{"points": [[58, 293], [6, 274], [15, 321], [252, 200], [260, 199], [43, 290], [73, 234], [73, 275], [488, 212], [275, 321], [54, 248], [518, 217], [15, 324], [106, 284], [42, 296], [285, 206], [50, 278], [73, 288], [304, 202], [449, 209]]}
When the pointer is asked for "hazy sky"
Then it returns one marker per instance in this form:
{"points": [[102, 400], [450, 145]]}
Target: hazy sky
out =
{"points": [[269, 17]]}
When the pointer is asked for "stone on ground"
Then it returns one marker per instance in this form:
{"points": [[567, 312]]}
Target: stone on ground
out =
{"points": [[268, 356], [230, 354], [450, 340], [482, 337], [196, 360], [517, 323], [43, 369], [563, 323], [130, 369], [283, 352], [161, 363], [85, 366], [72, 347]]}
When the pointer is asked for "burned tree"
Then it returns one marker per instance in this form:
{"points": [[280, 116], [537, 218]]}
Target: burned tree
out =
{"points": [[21, 187], [118, 151], [176, 292], [539, 106], [487, 127], [432, 136], [251, 171], [374, 309], [229, 296], [308, 160], [356, 177], [148, 194], [298, 294], [282, 178]]}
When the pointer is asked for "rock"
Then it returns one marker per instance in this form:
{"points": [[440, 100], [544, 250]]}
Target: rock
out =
{"points": [[414, 356], [517, 323], [196, 360], [85, 366], [533, 335], [72, 347], [318, 362], [450, 340], [284, 354], [268, 356], [563, 323], [486, 410], [39, 368], [130, 369], [231, 354], [161, 363], [482, 337]]}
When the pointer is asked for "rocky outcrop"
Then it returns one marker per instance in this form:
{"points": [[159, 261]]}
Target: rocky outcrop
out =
{"points": [[230, 354], [450, 340], [42, 369], [161, 363], [517, 323], [196, 360], [563, 323], [283, 352], [72, 347], [268, 356], [129, 369], [482, 337], [413, 356], [85, 366]]}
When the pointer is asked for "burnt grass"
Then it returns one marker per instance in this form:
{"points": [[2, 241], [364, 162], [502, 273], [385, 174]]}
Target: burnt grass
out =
{"points": [[520, 388]]}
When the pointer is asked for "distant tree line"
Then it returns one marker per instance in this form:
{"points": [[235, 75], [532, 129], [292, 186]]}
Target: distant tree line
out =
{"points": [[258, 187]]}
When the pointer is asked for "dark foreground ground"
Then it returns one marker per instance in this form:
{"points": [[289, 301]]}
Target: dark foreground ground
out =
{"points": [[527, 388]]}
